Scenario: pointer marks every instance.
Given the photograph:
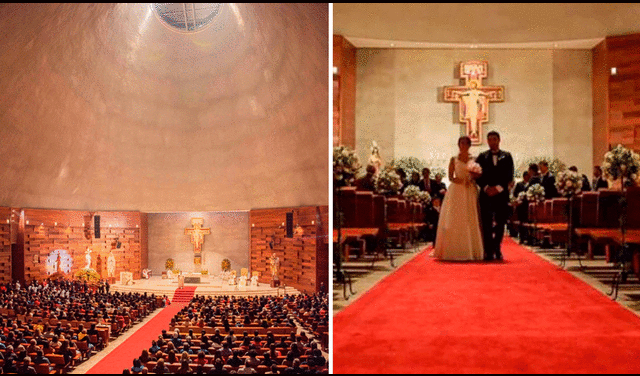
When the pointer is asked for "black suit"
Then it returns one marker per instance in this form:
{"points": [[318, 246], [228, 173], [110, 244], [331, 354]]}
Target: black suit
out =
{"points": [[494, 207], [533, 181], [600, 183], [549, 185], [427, 188], [586, 186], [520, 187]]}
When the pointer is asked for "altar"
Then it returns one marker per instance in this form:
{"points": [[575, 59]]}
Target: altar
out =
{"points": [[193, 278]]}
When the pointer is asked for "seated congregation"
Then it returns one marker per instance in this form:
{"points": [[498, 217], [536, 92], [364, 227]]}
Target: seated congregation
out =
{"points": [[227, 334], [52, 326]]}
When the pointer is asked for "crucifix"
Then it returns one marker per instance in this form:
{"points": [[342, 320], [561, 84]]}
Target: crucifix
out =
{"points": [[474, 98], [197, 238]]}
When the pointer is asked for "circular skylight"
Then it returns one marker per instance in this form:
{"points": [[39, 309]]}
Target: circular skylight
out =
{"points": [[187, 18]]}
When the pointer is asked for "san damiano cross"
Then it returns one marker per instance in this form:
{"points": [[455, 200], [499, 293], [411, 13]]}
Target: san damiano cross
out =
{"points": [[474, 98], [197, 238]]}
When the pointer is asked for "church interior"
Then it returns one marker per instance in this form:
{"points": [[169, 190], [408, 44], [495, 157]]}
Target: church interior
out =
{"points": [[164, 188], [560, 84]]}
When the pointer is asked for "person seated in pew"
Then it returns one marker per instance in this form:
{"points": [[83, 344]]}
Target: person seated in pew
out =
{"points": [[534, 176], [226, 349], [10, 365], [599, 182], [235, 360], [26, 368], [160, 368], [217, 338], [267, 361], [137, 366], [548, 181], [585, 180], [218, 368], [246, 369], [171, 356], [273, 370], [368, 181]]}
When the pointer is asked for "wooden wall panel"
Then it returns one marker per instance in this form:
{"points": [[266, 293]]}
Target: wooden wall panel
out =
{"points": [[5, 245], [344, 57], [619, 104], [303, 258], [73, 231], [600, 103]]}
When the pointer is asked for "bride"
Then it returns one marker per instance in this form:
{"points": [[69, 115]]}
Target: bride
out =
{"points": [[459, 237]]}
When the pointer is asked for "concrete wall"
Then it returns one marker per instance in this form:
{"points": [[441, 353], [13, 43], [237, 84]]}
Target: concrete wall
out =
{"points": [[229, 238], [547, 99]]}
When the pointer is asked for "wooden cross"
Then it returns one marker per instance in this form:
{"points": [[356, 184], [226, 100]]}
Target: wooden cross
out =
{"points": [[197, 233], [474, 98]]}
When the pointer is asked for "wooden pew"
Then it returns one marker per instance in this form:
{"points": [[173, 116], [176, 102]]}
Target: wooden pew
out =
{"points": [[359, 223], [607, 225]]}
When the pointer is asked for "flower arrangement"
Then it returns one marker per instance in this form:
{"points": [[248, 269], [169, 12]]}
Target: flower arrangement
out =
{"points": [[517, 200], [346, 165], [204, 272], [555, 165], [175, 271], [535, 193], [621, 163], [409, 165], [413, 193], [437, 170], [88, 275], [226, 265], [388, 182], [569, 183], [474, 169], [168, 265]]}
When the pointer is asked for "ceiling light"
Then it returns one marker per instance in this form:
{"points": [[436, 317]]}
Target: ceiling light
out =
{"points": [[614, 71], [187, 18], [393, 44], [335, 70]]}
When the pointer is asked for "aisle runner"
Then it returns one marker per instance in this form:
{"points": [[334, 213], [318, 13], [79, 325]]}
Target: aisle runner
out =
{"points": [[522, 315], [122, 356]]}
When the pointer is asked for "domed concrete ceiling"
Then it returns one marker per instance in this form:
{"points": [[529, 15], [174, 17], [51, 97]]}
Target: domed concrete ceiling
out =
{"points": [[105, 107]]}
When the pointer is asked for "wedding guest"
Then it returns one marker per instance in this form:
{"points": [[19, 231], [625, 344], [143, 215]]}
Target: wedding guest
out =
{"points": [[585, 180], [415, 179], [534, 176], [548, 181], [365, 183], [522, 186], [426, 183], [599, 181], [137, 366], [25, 368], [439, 189], [403, 178], [160, 368]]}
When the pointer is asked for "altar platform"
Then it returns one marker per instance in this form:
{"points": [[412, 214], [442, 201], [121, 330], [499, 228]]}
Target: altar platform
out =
{"points": [[207, 286]]}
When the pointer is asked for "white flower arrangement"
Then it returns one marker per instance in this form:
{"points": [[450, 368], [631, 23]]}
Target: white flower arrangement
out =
{"points": [[346, 165], [409, 165], [535, 193], [388, 182], [621, 163], [555, 165], [518, 200], [569, 183], [413, 193]]}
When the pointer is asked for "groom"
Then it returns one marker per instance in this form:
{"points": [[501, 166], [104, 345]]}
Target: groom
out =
{"points": [[497, 176]]}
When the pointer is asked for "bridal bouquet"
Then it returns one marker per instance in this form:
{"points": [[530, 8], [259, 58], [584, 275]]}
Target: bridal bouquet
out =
{"points": [[621, 163], [413, 193], [569, 183], [535, 193], [474, 169], [388, 182], [345, 165]]}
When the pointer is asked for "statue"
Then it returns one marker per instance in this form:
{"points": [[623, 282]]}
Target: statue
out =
{"points": [[88, 258], [58, 267], [254, 281], [275, 267], [111, 265], [375, 159], [242, 281], [474, 103]]}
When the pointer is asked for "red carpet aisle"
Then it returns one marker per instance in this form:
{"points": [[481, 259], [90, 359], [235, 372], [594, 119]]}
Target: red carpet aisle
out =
{"points": [[523, 315], [122, 356]]}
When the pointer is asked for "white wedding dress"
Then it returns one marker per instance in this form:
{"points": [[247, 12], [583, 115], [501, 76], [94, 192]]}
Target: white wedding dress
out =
{"points": [[459, 236]]}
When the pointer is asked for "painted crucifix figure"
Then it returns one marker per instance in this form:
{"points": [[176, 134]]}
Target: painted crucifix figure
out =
{"points": [[197, 238], [474, 98]]}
